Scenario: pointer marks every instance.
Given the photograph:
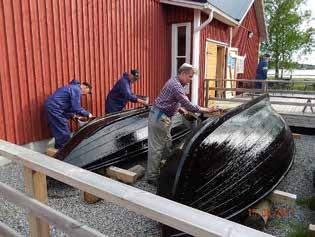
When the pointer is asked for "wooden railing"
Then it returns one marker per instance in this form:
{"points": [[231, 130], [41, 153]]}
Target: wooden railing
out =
{"points": [[248, 86], [37, 166]]}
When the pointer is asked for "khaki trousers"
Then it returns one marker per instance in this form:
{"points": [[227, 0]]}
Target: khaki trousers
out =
{"points": [[159, 141]]}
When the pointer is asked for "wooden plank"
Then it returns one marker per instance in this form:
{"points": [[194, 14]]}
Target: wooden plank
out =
{"points": [[296, 136], [139, 170], [127, 176], [176, 215], [311, 230], [30, 78], [123, 175], [243, 100], [211, 62], [259, 214], [6, 231], [268, 81], [4, 161], [36, 186], [5, 85], [278, 196], [67, 224], [51, 151], [260, 90], [299, 119], [89, 198]]}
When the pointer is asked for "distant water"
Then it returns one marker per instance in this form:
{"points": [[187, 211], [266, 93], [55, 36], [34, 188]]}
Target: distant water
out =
{"points": [[295, 73]]}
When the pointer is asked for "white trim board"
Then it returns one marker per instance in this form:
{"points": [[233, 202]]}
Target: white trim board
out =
{"points": [[175, 43], [176, 215], [220, 43]]}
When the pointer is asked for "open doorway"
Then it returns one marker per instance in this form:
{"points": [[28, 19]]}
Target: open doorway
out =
{"points": [[214, 70]]}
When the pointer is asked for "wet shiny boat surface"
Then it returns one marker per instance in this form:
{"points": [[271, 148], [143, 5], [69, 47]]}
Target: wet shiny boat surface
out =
{"points": [[230, 163], [113, 139]]}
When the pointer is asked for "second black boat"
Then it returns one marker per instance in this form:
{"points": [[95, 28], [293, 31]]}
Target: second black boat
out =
{"points": [[230, 163]]}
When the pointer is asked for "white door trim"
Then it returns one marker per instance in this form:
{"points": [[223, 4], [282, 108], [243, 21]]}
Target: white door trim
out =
{"points": [[175, 44]]}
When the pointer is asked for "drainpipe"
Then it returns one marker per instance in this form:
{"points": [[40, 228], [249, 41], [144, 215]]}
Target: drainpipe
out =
{"points": [[231, 36], [196, 50]]}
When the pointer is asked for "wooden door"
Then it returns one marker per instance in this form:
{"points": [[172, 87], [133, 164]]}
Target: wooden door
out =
{"points": [[211, 67], [220, 70]]}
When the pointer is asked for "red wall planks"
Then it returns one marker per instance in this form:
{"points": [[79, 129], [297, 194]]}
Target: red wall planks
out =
{"points": [[248, 46], [45, 44], [217, 31], [2, 111]]}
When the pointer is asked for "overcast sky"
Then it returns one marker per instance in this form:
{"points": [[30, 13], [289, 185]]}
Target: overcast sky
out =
{"points": [[310, 59]]}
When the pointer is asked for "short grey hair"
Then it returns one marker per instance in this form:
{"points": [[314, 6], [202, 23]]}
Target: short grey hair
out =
{"points": [[186, 68]]}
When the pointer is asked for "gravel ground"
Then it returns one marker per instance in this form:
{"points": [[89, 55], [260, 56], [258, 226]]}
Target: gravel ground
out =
{"points": [[113, 220], [299, 181], [103, 216]]}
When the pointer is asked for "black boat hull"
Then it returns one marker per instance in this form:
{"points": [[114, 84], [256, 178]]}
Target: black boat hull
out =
{"points": [[230, 163], [113, 139]]}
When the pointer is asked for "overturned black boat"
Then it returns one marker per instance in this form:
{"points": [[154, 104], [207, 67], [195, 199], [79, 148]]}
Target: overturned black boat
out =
{"points": [[230, 163], [114, 138]]}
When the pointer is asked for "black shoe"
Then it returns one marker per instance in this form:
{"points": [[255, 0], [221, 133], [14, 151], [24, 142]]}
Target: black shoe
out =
{"points": [[152, 182]]}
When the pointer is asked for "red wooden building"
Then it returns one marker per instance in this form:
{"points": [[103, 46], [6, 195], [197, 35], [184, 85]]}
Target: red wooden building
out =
{"points": [[44, 44]]}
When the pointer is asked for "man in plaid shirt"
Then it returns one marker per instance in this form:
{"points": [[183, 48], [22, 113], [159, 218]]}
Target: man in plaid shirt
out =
{"points": [[171, 100]]}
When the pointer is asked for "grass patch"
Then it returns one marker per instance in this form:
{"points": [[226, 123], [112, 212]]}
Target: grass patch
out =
{"points": [[307, 202], [298, 230]]}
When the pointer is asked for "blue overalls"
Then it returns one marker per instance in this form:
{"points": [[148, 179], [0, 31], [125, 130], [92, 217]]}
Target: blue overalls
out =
{"points": [[60, 107], [119, 95], [261, 72]]}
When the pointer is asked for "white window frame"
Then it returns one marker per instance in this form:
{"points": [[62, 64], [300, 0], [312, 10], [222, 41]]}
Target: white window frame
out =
{"points": [[175, 45]]}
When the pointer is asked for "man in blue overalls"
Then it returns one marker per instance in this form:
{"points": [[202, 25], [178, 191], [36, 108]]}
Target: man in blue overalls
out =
{"points": [[121, 93], [262, 69], [63, 105]]}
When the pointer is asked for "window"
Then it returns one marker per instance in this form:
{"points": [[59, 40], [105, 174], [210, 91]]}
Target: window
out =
{"points": [[180, 45]]}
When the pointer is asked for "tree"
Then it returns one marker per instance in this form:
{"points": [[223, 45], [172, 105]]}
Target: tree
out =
{"points": [[286, 35]]}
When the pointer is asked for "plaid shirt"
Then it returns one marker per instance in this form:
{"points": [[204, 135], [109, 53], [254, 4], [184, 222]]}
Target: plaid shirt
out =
{"points": [[172, 97]]}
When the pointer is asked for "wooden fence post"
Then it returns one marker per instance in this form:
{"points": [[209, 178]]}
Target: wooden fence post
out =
{"points": [[36, 187], [207, 93], [311, 230]]}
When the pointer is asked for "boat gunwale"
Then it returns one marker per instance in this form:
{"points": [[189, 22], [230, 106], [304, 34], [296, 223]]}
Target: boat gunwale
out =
{"points": [[65, 151]]}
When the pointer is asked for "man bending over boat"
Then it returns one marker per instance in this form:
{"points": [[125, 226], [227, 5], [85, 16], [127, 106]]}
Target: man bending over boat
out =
{"points": [[121, 93], [164, 108], [63, 105]]}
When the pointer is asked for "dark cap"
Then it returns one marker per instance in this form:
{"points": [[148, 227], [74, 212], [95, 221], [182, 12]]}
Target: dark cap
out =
{"points": [[267, 55], [88, 85], [135, 73]]}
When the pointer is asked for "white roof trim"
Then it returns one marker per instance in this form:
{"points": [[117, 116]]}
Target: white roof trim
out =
{"points": [[260, 16], [218, 14], [250, 5], [194, 5]]}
